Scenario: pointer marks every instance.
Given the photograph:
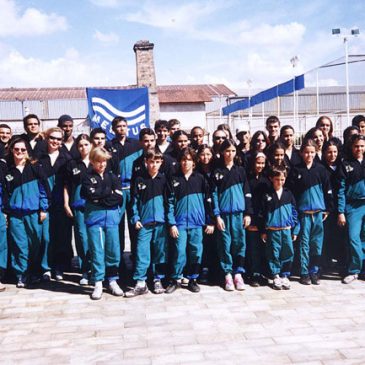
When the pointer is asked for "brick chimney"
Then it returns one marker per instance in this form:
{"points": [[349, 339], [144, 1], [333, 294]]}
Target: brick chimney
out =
{"points": [[146, 76]]}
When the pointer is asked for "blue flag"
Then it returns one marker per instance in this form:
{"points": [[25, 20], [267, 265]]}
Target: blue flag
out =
{"points": [[106, 104]]}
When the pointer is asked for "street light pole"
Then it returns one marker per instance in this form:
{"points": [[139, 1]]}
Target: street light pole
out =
{"points": [[249, 84], [354, 32], [294, 61]]}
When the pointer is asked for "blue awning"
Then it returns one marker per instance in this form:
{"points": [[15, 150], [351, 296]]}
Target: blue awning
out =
{"points": [[279, 90]]}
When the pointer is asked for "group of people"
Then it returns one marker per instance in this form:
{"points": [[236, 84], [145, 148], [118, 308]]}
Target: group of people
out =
{"points": [[241, 210]]}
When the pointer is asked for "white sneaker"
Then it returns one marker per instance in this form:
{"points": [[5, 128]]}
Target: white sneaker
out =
{"points": [[98, 291], [46, 276], [115, 289], [349, 278], [84, 280], [238, 282], [184, 281], [277, 283], [59, 276], [229, 285], [2, 287], [285, 283]]}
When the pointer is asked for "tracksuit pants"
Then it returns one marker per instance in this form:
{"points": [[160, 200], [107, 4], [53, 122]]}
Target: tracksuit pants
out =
{"points": [[151, 238], [232, 244], [81, 240]]}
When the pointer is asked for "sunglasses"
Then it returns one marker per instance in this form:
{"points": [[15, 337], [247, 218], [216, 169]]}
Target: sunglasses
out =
{"points": [[217, 138], [55, 138], [16, 149]]}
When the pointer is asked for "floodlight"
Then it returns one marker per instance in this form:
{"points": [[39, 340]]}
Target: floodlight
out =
{"points": [[336, 31]]}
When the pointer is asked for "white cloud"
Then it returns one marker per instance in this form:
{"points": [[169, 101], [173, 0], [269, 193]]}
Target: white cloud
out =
{"points": [[107, 38], [107, 3], [69, 70], [31, 22]]}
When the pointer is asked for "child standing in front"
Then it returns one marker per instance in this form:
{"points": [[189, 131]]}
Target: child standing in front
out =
{"points": [[278, 224], [188, 203], [232, 209], [103, 194], [312, 190], [149, 218]]}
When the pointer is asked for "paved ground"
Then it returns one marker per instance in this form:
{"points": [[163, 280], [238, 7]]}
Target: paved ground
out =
{"points": [[59, 324]]}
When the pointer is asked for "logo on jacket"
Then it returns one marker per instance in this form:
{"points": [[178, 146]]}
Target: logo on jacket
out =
{"points": [[349, 168], [93, 180], [9, 177], [75, 171], [268, 197], [218, 176], [141, 186], [299, 176], [175, 183]]}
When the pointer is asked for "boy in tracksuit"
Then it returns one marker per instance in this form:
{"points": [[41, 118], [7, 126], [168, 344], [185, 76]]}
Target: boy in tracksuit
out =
{"points": [[189, 204], [313, 193], [279, 226], [102, 191], [149, 218]]}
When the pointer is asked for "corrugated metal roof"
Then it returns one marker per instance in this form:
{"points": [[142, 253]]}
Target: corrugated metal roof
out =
{"points": [[166, 93]]}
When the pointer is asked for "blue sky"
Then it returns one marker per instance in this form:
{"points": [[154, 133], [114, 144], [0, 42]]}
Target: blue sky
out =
{"points": [[89, 42]]}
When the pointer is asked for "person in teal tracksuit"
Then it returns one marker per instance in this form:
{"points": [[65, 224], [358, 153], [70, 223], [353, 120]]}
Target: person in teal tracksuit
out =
{"points": [[149, 218], [75, 205], [3, 238], [103, 194], [351, 205], [279, 226], [232, 209], [27, 205], [188, 212], [313, 193]]}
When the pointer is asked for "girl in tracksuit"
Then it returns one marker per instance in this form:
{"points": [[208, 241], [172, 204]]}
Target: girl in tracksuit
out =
{"points": [[75, 205], [351, 205], [232, 209], [188, 207], [278, 225], [57, 233], [313, 193], [259, 184], [3, 238], [103, 194], [27, 205], [335, 237]]}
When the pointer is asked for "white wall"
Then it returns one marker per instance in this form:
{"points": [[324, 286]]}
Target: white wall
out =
{"points": [[190, 115]]}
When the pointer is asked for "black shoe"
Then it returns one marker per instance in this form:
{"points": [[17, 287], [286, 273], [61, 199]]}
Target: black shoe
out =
{"points": [[193, 286], [173, 285], [315, 279], [137, 290], [255, 281], [204, 276], [305, 280]]}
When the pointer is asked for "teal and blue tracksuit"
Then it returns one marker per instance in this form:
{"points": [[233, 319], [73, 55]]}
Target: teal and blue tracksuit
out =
{"points": [[125, 155], [3, 238], [103, 197], [27, 195], [278, 218], [231, 200], [313, 193], [255, 253], [189, 210], [76, 170], [149, 206], [57, 232], [351, 202]]}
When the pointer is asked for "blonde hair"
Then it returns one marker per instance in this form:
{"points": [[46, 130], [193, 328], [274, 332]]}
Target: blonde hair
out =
{"points": [[98, 154], [49, 131]]}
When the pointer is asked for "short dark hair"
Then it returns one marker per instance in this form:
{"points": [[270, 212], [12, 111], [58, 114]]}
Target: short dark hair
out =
{"points": [[116, 120], [284, 128], [277, 170], [357, 119], [161, 124], [82, 137], [173, 122], [177, 134], [30, 116], [187, 151], [97, 131], [153, 154], [64, 118], [5, 126], [146, 131], [272, 119]]}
